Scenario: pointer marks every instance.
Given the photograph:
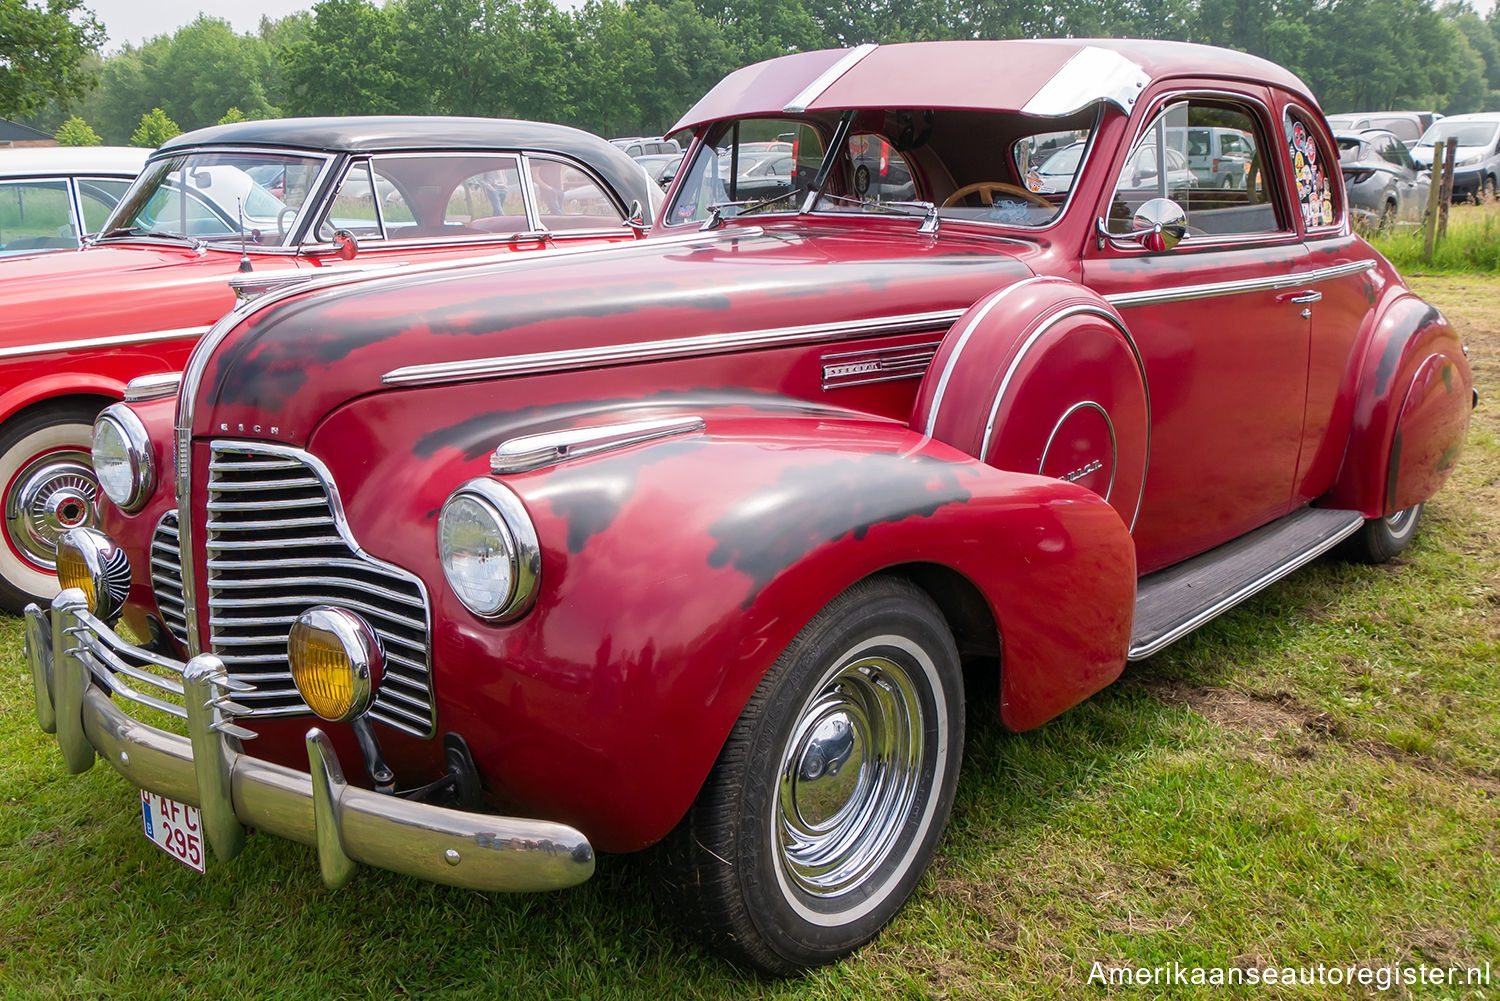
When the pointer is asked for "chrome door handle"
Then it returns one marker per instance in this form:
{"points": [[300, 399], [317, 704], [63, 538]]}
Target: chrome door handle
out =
{"points": [[1301, 297]]}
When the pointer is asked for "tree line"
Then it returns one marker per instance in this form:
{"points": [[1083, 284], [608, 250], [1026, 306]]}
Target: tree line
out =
{"points": [[631, 67]]}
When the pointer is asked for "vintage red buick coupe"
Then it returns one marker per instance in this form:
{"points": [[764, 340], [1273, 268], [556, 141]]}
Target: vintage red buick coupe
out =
{"points": [[279, 200], [685, 543]]}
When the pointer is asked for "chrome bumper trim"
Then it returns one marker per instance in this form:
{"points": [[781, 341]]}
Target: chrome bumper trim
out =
{"points": [[207, 769]]}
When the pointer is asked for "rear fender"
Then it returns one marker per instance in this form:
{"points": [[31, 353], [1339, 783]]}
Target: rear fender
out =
{"points": [[674, 573], [1043, 377], [1411, 412]]}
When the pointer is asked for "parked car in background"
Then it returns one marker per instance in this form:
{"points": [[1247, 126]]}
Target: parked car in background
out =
{"points": [[53, 196], [261, 203], [1384, 184], [1406, 126], [1218, 157], [645, 146], [470, 571], [1476, 163], [660, 167]]}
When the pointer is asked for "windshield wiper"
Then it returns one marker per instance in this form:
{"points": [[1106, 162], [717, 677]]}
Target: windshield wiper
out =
{"points": [[197, 243], [716, 215], [929, 210]]}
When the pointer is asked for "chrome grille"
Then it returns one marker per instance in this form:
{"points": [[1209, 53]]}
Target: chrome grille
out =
{"points": [[166, 576], [277, 545]]}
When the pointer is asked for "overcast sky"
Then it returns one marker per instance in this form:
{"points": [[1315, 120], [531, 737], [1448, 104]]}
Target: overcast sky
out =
{"points": [[137, 20]]}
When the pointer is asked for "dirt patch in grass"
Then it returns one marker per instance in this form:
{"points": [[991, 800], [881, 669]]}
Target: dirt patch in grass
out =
{"points": [[1268, 718]]}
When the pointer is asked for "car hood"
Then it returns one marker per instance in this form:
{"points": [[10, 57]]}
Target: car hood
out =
{"points": [[1423, 154], [298, 356], [115, 290]]}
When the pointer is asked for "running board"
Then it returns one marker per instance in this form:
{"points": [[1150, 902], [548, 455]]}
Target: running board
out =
{"points": [[1173, 602]]}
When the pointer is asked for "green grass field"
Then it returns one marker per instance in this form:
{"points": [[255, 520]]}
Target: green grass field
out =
{"points": [[1471, 244], [1313, 778]]}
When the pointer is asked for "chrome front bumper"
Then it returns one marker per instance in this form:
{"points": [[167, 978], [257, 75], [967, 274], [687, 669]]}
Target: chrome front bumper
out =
{"points": [[70, 671]]}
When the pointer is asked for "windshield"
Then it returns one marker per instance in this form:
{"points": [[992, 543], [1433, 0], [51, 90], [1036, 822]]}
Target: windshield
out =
{"points": [[206, 195], [1467, 133], [1000, 168]]}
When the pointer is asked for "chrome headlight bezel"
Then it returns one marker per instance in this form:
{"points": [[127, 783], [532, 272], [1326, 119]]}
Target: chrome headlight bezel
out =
{"points": [[130, 491], [492, 503]]}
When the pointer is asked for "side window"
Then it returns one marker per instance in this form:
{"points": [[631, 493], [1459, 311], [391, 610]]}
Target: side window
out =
{"points": [[568, 198], [1317, 196], [1395, 152], [1049, 161], [881, 173], [353, 207], [35, 215], [99, 196], [719, 177], [1223, 194]]}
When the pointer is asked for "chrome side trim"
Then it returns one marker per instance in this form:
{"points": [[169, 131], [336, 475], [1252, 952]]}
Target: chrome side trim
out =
{"points": [[1092, 74], [1249, 588], [114, 340], [826, 79], [152, 387], [683, 347], [1036, 335], [844, 369], [1210, 290], [963, 339], [518, 455]]}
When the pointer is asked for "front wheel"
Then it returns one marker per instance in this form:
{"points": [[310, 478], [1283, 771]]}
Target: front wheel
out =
{"points": [[1382, 539], [827, 801], [48, 482]]}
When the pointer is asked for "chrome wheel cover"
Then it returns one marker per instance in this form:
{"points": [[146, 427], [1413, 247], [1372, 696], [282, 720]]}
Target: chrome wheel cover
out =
{"points": [[850, 773], [1402, 523], [51, 494]]}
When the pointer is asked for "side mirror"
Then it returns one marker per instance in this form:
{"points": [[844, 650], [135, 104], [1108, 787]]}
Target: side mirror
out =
{"points": [[1159, 224], [635, 218], [347, 246]]}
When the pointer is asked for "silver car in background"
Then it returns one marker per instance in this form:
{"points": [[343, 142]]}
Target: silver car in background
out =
{"points": [[1385, 185], [1477, 160]]}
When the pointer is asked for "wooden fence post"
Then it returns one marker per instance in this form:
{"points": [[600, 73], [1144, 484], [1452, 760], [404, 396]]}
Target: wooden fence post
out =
{"points": [[1434, 195], [1448, 161]]}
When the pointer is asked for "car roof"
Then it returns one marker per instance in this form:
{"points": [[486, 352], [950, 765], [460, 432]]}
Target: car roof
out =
{"points": [[392, 133], [1050, 77], [1475, 116], [125, 161]]}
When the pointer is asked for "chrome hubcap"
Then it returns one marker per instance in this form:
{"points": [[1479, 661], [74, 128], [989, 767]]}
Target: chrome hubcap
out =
{"points": [[848, 778], [1402, 522], [50, 495]]}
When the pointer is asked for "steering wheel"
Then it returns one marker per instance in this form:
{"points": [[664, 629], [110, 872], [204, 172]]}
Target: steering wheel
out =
{"points": [[987, 190], [281, 218]]}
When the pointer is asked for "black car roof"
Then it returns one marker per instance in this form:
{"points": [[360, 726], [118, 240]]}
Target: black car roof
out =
{"points": [[389, 133]]}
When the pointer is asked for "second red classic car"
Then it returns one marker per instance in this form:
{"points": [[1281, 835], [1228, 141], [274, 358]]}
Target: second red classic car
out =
{"points": [[471, 571], [262, 203]]}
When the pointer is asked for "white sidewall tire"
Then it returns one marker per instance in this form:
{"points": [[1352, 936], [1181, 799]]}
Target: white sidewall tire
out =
{"points": [[20, 580]]}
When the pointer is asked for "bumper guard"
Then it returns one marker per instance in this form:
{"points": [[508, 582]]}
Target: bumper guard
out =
{"points": [[207, 769]]}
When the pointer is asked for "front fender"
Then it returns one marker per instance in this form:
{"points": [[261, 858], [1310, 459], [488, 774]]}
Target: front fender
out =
{"points": [[1411, 412], [674, 573]]}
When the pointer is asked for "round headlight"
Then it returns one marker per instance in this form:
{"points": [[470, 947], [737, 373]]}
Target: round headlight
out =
{"points": [[488, 549], [336, 661], [122, 458], [90, 561]]}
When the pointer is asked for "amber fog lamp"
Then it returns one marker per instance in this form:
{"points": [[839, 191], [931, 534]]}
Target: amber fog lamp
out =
{"points": [[336, 662], [90, 561]]}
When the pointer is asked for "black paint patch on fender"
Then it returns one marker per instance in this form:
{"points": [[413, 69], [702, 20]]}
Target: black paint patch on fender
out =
{"points": [[810, 505]]}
